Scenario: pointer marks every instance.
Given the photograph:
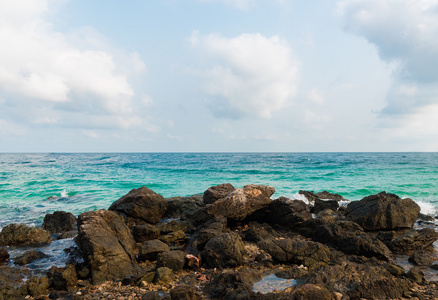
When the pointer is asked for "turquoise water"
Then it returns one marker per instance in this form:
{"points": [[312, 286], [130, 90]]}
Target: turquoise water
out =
{"points": [[32, 185]]}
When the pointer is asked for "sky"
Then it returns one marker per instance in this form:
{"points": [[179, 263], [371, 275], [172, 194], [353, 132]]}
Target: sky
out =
{"points": [[218, 75]]}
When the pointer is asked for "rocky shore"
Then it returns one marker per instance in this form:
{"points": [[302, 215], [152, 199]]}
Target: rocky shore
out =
{"points": [[229, 243]]}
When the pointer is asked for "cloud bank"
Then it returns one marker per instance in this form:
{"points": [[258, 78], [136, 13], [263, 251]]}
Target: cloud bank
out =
{"points": [[247, 76]]}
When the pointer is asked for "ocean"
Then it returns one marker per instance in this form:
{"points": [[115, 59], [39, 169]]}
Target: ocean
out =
{"points": [[32, 185]]}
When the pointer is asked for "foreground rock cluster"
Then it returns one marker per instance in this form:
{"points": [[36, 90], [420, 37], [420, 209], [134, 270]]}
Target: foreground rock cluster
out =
{"points": [[220, 244]]}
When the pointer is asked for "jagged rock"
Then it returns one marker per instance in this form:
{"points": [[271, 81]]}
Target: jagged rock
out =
{"points": [[38, 286], [321, 205], [383, 212], [421, 258], [312, 291], [413, 240], [212, 228], [257, 232], [163, 275], [155, 295], [242, 202], [224, 250], [185, 292], [174, 260], [141, 203], [107, 245], [146, 232], [311, 196], [22, 235], [173, 226], [395, 270], [63, 278], [416, 275], [180, 207], [172, 238], [28, 257], [217, 192], [149, 250], [59, 221], [4, 255], [198, 217], [345, 236], [311, 254]]}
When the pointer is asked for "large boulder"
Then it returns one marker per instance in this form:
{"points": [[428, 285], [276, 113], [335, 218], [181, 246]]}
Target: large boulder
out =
{"points": [[107, 245], [217, 192], [145, 232], [149, 250], [180, 207], [321, 205], [59, 221], [141, 203], [174, 259], [413, 240], [311, 254], [242, 202], [225, 250], [22, 235], [383, 211]]}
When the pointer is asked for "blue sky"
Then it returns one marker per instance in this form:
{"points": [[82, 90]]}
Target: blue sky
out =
{"points": [[218, 75]]}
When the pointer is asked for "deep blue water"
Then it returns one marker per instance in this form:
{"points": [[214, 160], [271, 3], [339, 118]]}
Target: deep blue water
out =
{"points": [[32, 185]]}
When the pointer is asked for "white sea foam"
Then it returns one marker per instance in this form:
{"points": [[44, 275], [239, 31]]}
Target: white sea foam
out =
{"points": [[298, 196], [427, 208], [64, 194]]}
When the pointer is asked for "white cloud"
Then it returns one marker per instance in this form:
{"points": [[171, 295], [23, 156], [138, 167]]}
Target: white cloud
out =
{"points": [[316, 96], [249, 75], [240, 4], [73, 72], [404, 33]]}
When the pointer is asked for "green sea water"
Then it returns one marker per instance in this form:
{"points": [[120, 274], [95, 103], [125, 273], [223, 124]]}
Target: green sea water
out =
{"points": [[32, 185]]}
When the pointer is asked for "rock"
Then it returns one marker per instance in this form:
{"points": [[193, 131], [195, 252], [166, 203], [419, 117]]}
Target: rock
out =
{"points": [[345, 236], [179, 207], [424, 217], [4, 255], [163, 275], [193, 261], [311, 254], [311, 292], [141, 203], [149, 250], [217, 192], [383, 212], [173, 226], [28, 257], [38, 286], [155, 295], [184, 292], [242, 202], [22, 235], [321, 205], [413, 240], [324, 195], [147, 232], [174, 260], [395, 270], [198, 217], [63, 278], [421, 258], [107, 245], [211, 229], [416, 275], [257, 232], [59, 221], [225, 250], [172, 238]]}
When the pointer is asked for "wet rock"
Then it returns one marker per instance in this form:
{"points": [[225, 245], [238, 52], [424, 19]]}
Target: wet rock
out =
{"points": [[147, 232], [413, 240], [179, 207], [22, 235], [141, 203], [416, 275], [163, 275], [224, 251], [283, 211], [311, 254], [242, 202], [321, 205], [421, 258], [149, 250], [174, 260], [172, 238], [217, 192], [63, 278], [59, 221], [107, 245], [383, 211], [4, 255], [185, 292], [28, 257], [173, 226], [312, 291]]}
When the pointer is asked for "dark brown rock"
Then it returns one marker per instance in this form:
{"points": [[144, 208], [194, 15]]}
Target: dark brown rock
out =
{"points": [[174, 238], [107, 245], [146, 232], [242, 202], [217, 192], [421, 258], [163, 275], [257, 232], [174, 260], [184, 292], [59, 221], [311, 292], [311, 196], [181, 207], [224, 250], [23, 235], [149, 250], [413, 240], [383, 212], [321, 205], [38, 286], [28, 257], [416, 275], [173, 226], [141, 203], [63, 278], [4, 255]]}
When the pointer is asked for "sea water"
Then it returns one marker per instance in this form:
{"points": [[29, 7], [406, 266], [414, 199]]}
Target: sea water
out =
{"points": [[32, 185]]}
